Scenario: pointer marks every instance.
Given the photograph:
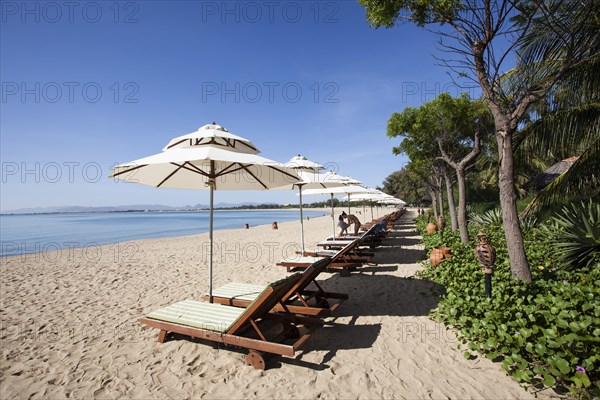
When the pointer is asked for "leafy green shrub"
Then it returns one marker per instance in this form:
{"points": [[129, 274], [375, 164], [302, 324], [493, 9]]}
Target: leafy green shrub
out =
{"points": [[544, 333], [494, 218], [490, 217], [575, 234]]}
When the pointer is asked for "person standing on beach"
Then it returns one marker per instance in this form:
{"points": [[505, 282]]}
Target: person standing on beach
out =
{"points": [[352, 220], [343, 226]]}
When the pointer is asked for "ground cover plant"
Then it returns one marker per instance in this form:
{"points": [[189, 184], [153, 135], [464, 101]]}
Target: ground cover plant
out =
{"points": [[545, 333]]}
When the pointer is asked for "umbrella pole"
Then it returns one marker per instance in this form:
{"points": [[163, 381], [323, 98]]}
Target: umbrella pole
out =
{"points": [[301, 220], [332, 216], [210, 238], [349, 204]]}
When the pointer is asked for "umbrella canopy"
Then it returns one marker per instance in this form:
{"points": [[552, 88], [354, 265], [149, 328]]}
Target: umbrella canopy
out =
{"points": [[310, 178], [352, 187], [194, 167], [314, 180], [209, 159], [391, 201], [349, 189], [325, 182], [302, 163], [213, 135], [373, 195]]}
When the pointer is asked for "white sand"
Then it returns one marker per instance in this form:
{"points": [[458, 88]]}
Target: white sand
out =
{"points": [[69, 325]]}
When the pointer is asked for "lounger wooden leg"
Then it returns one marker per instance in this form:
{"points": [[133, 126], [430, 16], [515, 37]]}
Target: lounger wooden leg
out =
{"points": [[322, 303], [256, 359], [292, 332], [162, 335]]}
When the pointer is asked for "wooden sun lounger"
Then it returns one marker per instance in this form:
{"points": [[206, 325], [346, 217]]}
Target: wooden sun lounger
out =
{"points": [[298, 300], [389, 219], [361, 255], [233, 326], [370, 239], [343, 260], [371, 232]]}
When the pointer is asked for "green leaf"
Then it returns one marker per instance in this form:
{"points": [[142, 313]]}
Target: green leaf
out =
{"points": [[548, 379], [574, 326], [540, 349], [550, 332], [581, 379], [517, 375], [562, 323], [563, 365]]}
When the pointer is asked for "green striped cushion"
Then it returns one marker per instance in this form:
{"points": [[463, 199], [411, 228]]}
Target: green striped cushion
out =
{"points": [[327, 253], [239, 291], [199, 314], [210, 316], [301, 259]]}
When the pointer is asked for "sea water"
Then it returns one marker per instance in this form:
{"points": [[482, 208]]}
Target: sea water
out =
{"points": [[23, 234]]}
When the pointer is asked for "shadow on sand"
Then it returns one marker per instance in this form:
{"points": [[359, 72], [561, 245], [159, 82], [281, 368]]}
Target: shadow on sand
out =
{"points": [[384, 295]]}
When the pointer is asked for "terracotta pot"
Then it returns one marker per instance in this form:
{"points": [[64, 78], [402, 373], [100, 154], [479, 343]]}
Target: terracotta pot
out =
{"points": [[447, 251], [436, 256], [431, 228]]}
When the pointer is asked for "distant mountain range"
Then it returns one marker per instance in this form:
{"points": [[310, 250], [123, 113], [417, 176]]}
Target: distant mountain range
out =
{"points": [[132, 207]]}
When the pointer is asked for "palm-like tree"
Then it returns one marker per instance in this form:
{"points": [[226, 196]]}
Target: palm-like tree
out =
{"points": [[566, 123]]}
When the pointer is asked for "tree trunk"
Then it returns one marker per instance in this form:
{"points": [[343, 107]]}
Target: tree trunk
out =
{"points": [[434, 203], [440, 194], [462, 205], [506, 180], [508, 201], [451, 206]]}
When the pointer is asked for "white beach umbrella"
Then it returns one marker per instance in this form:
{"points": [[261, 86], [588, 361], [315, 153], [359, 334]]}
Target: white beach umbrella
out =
{"points": [[331, 180], [374, 195], [314, 180], [213, 159], [302, 163], [348, 190], [352, 187], [391, 200], [310, 178]]}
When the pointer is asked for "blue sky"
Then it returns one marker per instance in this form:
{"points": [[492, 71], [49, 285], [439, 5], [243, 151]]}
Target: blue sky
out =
{"points": [[91, 84]]}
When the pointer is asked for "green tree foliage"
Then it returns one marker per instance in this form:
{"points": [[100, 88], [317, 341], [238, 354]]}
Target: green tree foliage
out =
{"points": [[566, 123], [539, 42], [406, 186], [448, 129]]}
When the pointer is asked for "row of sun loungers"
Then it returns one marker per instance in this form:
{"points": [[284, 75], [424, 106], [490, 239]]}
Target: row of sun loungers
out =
{"points": [[270, 319]]}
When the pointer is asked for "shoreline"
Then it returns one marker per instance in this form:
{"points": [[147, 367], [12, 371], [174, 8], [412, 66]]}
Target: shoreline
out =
{"points": [[52, 247], [64, 247], [134, 242], [202, 210]]}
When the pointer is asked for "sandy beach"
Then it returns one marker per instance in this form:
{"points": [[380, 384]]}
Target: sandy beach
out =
{"points": [[69, 325]]}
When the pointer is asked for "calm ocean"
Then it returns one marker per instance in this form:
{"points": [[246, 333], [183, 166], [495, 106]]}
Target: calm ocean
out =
{"points": [[22, 234]]}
